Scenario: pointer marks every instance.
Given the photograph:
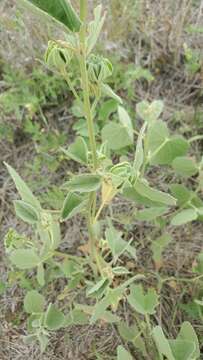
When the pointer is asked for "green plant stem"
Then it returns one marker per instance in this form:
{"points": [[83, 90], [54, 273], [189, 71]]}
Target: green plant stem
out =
{"points": [[69, 82], [87, 105], [90, 125]]}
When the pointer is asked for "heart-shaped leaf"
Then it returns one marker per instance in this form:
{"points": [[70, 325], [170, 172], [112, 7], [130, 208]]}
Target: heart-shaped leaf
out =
{"points": [[143, 303], [150, 112]]}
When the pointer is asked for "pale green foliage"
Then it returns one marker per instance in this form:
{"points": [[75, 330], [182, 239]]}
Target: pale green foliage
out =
{"points": [[143, 303], [184, 347], [123, 354], [34, 302]]}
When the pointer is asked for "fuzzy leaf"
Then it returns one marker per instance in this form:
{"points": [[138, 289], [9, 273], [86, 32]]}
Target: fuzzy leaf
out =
{"points": [[60, 10], [159, 245], [151, 213], [184, 166], [54, 318], [78, 151], [150, 112], [188, 333], [26, 212], [176, 146], [34, 302], [95, 28], [184, 216], [139, 153], [123, 354], [162, 343], [84, 183], [143, 303], [40, 275], [116, 135], [72, 205], [126, 121], [25, 258], [182, 349], [132, 334], [24, 191], [107, 91], [155, 195]]}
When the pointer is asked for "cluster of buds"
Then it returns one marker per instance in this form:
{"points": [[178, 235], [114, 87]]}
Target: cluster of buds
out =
{"points": [[99, 69], [58, 56]]}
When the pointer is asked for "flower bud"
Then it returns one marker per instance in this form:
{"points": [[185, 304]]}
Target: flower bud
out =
{"points": [[99, 68], [57, 57]]}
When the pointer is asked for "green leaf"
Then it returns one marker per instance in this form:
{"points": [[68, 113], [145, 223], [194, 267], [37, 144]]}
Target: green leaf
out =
{"points": [[176, 146], [112, 298], [54, 318], [181, 193], [159, 245], [184, 166], [107, 316], [182, 349], [25, 258], [76, 317], [78, 151], [34, 302], [40, 275], [188, 333], [143, 303], [72, 205], [184, 216], [26, 212], [123, 354], [130, 193], [162, 343], [139, 153], [132, 334], [116, 135], [60, 10], [100, 309], [151, 213], [126, 121], [150, 112], [84, 183], [95, 28], [107, 108], [24, 191], [43, 341], [115, 242], [107, 91], [157, 135], [99, 285], [155, 195], [120, 270]]}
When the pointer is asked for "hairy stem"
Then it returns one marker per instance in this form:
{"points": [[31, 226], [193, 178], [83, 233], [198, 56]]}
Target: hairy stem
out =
{"points": [[90, 124]]}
